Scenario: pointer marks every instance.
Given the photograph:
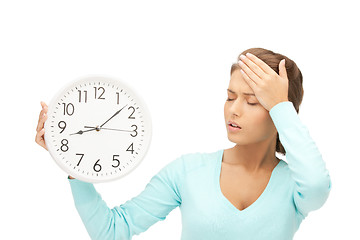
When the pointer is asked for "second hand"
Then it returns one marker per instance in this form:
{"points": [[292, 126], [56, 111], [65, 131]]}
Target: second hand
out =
{"points": [[108, 129]]}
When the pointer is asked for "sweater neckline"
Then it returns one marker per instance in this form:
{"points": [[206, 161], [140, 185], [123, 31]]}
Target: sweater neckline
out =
{"points": [[255, 205]]}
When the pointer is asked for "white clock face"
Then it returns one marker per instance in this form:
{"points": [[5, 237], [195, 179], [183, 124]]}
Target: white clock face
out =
{"points": [[98, 129]]}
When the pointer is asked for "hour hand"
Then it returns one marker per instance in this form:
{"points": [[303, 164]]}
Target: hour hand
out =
{"points": [[81, 131]]}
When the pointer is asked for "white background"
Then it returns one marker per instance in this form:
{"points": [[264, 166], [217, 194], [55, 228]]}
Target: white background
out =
{"points": [[178, 56]]}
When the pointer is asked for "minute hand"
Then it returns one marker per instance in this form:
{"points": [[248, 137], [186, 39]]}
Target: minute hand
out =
{"points": [[113, 116]]}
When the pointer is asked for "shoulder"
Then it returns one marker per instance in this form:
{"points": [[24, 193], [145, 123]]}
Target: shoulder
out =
{"points": [[196, 159], [191, 161], [285, 171]]}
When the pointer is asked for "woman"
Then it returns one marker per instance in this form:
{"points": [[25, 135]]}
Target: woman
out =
{"points": [[244, 192]]}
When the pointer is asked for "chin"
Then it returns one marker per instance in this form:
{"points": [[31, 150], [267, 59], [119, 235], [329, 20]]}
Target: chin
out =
{"points": [[236, 139]]}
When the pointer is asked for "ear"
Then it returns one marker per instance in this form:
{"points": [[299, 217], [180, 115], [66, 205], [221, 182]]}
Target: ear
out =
{"points": [[282, 69]]}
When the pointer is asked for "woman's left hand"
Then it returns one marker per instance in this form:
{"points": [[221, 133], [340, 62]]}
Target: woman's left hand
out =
{"points": [[269, 87]]}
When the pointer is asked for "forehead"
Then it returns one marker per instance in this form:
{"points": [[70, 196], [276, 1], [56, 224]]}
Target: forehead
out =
{"points": [[238, 84]]}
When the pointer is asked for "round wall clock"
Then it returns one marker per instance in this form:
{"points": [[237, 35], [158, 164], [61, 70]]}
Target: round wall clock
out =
{"points": [[98, 128]]}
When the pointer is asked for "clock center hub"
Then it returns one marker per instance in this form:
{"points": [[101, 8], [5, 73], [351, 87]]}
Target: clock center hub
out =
{"points": [[97, 128]]}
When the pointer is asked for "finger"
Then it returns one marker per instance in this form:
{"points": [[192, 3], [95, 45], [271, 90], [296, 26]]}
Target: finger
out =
{"points": [[40, 138], [43, 104], [39, 135], [250, 82], [41, 113], [266, 68], [44, 107], [41, 123], [44, 110], [255, 78], [253, 66], [282, 69]]}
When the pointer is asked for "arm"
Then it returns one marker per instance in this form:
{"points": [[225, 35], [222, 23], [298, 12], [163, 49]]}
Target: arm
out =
{"points": [[312, 181], [160, 196]]}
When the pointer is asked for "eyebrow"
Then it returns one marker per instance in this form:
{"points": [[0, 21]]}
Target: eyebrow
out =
{"points": [[242, 93]]}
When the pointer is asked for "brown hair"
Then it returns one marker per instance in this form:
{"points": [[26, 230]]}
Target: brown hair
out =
{"points": [[295, 91]]}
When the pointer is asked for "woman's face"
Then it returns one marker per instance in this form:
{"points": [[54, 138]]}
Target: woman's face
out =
{"points": [[255, 121]]}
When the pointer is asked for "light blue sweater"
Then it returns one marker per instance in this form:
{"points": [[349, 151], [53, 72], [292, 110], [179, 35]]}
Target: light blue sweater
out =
{"points": [[191, 182]]}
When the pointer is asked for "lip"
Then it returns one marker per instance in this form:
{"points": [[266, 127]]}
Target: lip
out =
{"points": [[232, 122], [233, 129]]}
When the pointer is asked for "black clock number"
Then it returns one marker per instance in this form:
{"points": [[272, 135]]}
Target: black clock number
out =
{"points": [[68, 109], [117, 160], [131, 117], [64, 145], [134, 131], [82, 155], [80, 95], [63, 125], [97, 166], [103, 91], [131, 148]]}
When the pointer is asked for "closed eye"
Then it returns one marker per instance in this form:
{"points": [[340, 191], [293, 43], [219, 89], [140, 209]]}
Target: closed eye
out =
{"points": [[247, 103]]}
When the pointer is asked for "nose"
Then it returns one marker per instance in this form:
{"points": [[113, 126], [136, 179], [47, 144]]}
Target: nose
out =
{"points": [[236, 107]]}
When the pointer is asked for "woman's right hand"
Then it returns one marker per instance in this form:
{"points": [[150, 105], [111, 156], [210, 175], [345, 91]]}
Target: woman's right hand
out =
{"points": [[39, 139], [40, 130]]}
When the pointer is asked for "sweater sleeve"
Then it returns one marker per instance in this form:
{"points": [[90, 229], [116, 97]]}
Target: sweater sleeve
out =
{"points": [[312, 182], [160, 196]]}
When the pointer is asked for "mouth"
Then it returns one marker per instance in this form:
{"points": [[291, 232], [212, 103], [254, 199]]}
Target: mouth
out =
{"points": [[233, 127], [233, 124]]}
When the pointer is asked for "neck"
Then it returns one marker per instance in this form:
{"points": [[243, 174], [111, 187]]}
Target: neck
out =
{"points": [[254, 157]]}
